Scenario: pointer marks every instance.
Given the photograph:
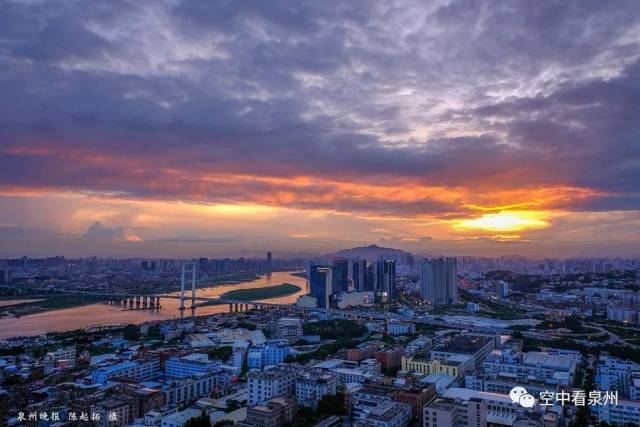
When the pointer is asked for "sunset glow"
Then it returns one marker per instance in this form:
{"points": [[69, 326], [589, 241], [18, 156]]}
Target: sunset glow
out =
{"points": [[409, 125], [506, 221], [233, 201]]}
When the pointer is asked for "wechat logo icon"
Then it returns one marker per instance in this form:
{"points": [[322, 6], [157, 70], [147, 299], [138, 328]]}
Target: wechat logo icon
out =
{"points": [[520, 396]]}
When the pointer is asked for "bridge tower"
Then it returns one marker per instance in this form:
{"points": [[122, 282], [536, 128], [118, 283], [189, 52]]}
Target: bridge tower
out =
{"points": [[188, 268]]}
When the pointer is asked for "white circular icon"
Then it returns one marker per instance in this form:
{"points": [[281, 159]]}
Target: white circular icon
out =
{"points": [[520, 396], [527, 401]]}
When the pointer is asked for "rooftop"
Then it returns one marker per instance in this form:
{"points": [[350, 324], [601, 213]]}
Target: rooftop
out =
{"points": [[466, 394], [329, 364], [147, 391], [199, 357], [443, 404], [315, 377], [271, 374], [376, 390], [118, 367], [441, 381], [183, 416], [538, 358], [351, 371], [465, 344], [385, 410]]}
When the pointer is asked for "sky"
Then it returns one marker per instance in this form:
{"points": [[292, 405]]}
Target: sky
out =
{"points": [[168, 128]]}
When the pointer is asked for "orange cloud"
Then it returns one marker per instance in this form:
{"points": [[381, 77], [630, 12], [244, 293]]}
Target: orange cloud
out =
{"points": [[476, 206], [131, 237], [505, 221]]}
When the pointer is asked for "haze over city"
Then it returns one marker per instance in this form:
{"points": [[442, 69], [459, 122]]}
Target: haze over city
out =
{"points": [[183, 129]]}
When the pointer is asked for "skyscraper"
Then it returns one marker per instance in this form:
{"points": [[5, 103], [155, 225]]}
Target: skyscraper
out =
{"points": [[269, 264], [439, 280], [203, 264], [369, 278], [504, 289], [386, 279], [359, 272], [320, 281], [340, 275]]}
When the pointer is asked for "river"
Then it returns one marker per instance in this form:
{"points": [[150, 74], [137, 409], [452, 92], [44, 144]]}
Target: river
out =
{"points": [[104, 314]]}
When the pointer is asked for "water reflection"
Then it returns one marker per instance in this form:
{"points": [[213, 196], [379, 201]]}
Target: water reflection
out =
{"points": [[103, 314]]}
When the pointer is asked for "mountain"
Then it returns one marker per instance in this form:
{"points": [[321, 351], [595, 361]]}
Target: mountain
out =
{"points": [[371, 253]]}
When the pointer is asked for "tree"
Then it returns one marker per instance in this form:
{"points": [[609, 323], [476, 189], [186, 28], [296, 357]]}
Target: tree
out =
{"points": [[330, 405], [131, 333], [39, 352], [244, 370], [335, 329], [223, 353], [200, 421], [153, 331], [583, 414], [305, 417], [233, 404], [12, 380], [247, 325], [323, 351], [391, 372], [12, 351]]}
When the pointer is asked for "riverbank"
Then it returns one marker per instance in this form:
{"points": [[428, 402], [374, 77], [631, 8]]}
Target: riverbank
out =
{"points": [[96, 313], [257, 294], [35, 306], [12, 302], [60, 302], [301, 274], [223, 280]]}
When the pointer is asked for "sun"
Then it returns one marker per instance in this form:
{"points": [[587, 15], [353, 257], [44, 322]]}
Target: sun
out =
{"points": [[505, 221]]}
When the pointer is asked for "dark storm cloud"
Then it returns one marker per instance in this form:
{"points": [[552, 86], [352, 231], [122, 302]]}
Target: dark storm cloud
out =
{"points": [[147, 98]]}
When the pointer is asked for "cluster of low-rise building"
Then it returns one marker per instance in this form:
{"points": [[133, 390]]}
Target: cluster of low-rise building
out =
{"points": [[392, 376]]}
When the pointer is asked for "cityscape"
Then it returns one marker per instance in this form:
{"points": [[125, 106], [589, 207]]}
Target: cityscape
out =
{"points": [[319, 214], [392, 340]]}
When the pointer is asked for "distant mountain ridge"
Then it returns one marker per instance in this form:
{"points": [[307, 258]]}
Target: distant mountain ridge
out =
{"points": [[371, 253]]}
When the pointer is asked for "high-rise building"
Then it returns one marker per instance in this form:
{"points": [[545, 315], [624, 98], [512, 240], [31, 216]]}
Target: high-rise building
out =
{"points": [[203, 264], [439, 281], [616, 374], [359, 273], [276, 412], [369, 278], [192, 364], [311, 387], [272, 383], [340, 275], [463, 407], [386, 279], [269, 264], [320, 281], [271, 353], [504, 289], [141, 370]]}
